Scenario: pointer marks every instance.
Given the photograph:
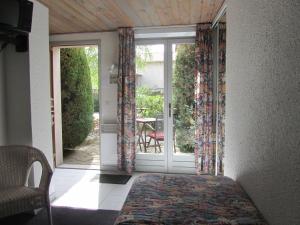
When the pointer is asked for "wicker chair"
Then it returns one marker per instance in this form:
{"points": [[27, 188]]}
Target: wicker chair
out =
{"points": [[15, 195]]}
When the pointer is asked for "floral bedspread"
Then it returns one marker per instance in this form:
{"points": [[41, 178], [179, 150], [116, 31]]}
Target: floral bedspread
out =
{"points": [[188, 200]]}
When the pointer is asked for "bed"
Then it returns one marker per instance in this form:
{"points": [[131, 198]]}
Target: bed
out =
{"points": [[158, 199]]}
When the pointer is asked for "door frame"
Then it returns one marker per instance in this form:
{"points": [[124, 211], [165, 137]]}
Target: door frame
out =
{"points": [[166, 162], [186, 162], [56, 78]]}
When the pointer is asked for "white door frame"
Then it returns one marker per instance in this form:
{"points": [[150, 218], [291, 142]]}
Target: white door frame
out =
{"points": [[166, 161], [184, 163], [155, 162], [55, 47]]}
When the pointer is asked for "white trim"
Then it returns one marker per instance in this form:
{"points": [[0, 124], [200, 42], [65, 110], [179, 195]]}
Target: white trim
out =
{"points": [[184, 163], [166, 161], [167, 28], [164, 32], [221, 12]]}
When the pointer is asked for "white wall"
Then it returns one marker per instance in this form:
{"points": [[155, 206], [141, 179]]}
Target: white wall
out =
{"points": [[108, 92], [2, 102], [17, 97], [262, 150], [40, 84], [27, 90]]}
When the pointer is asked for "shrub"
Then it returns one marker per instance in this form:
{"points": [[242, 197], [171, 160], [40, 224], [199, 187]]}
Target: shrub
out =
{"points": [[96, 100], [183, 97], [76, 97], [153, 101]]}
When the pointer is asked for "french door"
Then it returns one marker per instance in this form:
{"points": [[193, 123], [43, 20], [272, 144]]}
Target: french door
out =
{"points": [[164, 105]]}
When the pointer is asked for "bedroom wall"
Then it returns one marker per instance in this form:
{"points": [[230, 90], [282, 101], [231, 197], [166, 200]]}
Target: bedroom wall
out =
{"points": [[27, 90], [40, 81], [262, 150], [18, 112], [40, 86], [2, 102]]}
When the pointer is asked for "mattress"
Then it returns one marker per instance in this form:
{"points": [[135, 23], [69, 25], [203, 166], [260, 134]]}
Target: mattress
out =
{"points": [[158, 199]]}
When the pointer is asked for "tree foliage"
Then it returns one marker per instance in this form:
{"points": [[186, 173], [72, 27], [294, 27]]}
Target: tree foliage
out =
{"points": [[153, 101], [76, 96], [183, 96], [92, 58], [142, 56]]}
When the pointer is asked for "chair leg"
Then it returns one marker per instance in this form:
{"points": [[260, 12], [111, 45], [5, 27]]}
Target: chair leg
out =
{"points": [[50, 222], [139, 142], [159, 146], [149, 142]]}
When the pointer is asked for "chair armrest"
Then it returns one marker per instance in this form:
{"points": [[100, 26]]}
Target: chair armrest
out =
{"points": [[38, 156]]}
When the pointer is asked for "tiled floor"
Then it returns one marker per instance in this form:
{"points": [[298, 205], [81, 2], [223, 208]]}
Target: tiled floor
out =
{"points": [[81, 189]]}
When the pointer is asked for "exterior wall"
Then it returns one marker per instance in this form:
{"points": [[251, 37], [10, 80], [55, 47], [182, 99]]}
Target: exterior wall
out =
{"points": [[152, 75], [262, 150], [2, 102]]}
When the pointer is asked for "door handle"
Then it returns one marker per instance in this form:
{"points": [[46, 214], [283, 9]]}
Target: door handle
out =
{"points": [[170, 110]]}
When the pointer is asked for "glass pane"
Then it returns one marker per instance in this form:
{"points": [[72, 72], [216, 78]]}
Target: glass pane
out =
{"points": [[150, 98], [183, 98]]}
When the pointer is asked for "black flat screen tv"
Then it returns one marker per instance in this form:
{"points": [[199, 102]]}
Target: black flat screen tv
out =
{"points": [[15, 16]]}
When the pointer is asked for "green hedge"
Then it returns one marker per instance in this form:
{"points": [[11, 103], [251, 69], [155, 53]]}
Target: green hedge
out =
{"points": [[76, 97], [183, 99]]}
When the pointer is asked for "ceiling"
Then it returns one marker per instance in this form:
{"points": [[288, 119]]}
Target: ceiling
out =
{"points": [[76, 16]]}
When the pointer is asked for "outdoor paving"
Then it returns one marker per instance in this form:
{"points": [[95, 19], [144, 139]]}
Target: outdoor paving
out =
{"points": [[88, 152]]}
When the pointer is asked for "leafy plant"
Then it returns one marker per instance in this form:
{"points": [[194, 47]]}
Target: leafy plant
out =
{"points": [[92, 58], [142, 56], [153, 101], [183, 97], [76, 96]]}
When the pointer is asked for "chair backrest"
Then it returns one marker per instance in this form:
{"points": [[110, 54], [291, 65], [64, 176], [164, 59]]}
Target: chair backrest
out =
{"points": [[159, 122], [15, 161]]}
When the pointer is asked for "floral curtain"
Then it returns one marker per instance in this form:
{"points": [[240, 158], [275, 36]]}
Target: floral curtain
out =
{"points": [[126, 100], [204, 137], [221, 97]]}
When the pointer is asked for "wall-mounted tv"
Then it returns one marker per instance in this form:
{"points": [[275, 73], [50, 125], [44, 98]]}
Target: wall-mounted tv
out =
{"points": [[15, 15]]}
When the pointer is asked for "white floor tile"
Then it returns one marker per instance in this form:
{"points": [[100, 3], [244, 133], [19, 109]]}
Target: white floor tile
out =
{"points": [[79, 188]]}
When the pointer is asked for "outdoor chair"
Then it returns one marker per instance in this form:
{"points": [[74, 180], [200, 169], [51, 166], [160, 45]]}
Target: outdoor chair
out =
{"points": [[15, 195], [157, 132]]}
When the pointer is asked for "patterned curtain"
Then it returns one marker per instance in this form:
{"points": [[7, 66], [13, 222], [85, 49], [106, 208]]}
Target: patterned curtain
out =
{"points": [[204, 137], [221, 97], [126, 100]]}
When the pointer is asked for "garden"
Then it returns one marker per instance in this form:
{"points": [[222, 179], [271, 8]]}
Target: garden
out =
{"points": [[80, 105]]}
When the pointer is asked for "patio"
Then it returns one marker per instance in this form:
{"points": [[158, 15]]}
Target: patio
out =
{"points": [[86, 154]]}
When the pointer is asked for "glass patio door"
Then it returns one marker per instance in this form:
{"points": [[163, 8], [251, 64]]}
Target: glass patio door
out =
{"points": [[164, 105], [181, 65]]}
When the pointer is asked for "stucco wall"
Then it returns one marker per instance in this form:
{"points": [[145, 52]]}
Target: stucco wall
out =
{"points": [[262, 149], [2, 102]]}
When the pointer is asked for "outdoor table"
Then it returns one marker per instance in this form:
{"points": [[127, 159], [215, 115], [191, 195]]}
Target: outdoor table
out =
{"points": [[143, 133]]}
